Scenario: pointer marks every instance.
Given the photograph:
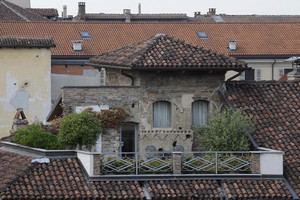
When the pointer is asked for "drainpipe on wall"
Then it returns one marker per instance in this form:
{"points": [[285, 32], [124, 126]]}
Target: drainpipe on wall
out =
{"points": [[273, 64], [129, 76]]}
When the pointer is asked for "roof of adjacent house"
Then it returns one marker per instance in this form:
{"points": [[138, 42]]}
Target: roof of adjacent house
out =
{"points": [[168, 53], [45, 12], [12, 12], [220, 18], [254, 39], [64, 177], [26, 42], [276, 108]]}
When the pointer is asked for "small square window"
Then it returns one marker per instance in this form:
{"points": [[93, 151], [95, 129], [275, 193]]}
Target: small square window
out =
{"points": [[85, 35], [202, 35]]}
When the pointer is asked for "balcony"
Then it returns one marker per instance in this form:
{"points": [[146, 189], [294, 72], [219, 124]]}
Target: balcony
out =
{"points": [[261, 162]]}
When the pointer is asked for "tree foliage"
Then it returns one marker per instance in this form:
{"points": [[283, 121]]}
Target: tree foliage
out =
{"points": [[226, 132], [79, 129], [35, 136]]}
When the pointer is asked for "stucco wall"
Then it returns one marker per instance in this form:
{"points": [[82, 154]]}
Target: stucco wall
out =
{"points": [[265, 65], [181, 89], [25, 82]]}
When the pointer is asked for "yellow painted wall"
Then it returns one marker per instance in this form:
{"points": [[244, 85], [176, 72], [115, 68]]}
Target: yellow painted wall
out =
{"points": [[18, 67]]}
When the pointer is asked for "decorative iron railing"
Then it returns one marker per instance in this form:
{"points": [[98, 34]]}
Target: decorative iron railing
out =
{"points": [[163, 162], [216, 162]]}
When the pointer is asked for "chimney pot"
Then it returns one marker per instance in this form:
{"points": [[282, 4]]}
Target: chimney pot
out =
{"points": [[127, 13], [64, 14], [140, 8], [211, 12]]}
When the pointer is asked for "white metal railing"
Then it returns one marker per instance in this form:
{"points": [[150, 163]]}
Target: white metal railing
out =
{"points": [[162, 162]]}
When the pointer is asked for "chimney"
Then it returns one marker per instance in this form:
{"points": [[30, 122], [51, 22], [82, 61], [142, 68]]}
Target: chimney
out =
{"points": [[197, 14], [140, 8], [64, 13], [81, 11], [232, 46], [77, 45], [211, 12], [127, 14]]}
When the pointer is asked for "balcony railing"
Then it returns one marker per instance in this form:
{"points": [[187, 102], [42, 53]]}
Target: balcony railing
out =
{"points": [[175, 162]]}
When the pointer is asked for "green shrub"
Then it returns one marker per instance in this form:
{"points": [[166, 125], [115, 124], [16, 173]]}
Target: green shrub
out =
{"points": [[35, 136], [79, 129], [226, 132]]}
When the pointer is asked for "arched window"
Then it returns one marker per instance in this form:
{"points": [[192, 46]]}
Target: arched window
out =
{"points": [[162, 114], [199, 113]]}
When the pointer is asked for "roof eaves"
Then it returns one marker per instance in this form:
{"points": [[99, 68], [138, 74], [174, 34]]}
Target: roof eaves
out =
{"points": [[108, 66]]}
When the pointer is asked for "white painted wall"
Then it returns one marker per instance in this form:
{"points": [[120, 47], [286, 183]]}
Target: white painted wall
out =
{"points": [[60, 80], [271, 162], [87, 161], [266, 68]]}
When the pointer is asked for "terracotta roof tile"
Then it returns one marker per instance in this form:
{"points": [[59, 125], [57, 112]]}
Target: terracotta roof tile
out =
{"points": [[11, 165], [276, 108], [26, 42], [256, 189], [12, 12], [165, 52], [59, 179], [45, 12], [252, 38]]}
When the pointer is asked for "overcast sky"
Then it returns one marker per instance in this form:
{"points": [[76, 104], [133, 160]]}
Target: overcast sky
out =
{"points": [[265, 7]]}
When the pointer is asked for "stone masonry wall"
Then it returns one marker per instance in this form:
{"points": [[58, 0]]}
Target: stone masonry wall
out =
{"points": [[181, 89]]}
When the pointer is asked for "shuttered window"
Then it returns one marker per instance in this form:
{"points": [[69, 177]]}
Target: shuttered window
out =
{"points": [[161, 114], [199, 113]]}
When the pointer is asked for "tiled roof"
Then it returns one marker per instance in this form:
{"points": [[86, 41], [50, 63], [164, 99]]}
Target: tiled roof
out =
{"points": [[117, 190], [256, 189], [276, 108], [64, 178], [59, 179], [11, 165], [190, 189], [45, 12], [12, 12], [252, 38], [247, 18], [26, 42], [165, 52]]}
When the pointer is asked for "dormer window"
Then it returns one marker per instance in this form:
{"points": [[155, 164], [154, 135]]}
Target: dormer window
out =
{"points": [[77, 45], [85, 35], [202, 35]]}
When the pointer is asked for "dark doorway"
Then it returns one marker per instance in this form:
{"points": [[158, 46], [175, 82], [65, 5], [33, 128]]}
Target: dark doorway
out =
{"points": [[128, 139]]}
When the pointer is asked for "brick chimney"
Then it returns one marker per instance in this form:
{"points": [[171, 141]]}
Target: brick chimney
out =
{"points": [[211, 12], [81, 11]]}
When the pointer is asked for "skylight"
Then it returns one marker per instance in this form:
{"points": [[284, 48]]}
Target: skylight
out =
{"points": [[202, 35], [85, 35]]}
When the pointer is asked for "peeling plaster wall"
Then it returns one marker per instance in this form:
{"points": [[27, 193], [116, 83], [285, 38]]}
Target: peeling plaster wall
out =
{"points": [[181, 89], [24, 82]]}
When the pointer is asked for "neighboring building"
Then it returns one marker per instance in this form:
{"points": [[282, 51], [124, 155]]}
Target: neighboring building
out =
{"points": [[166, 85], [14, 12], [25, 79], [276, 108], [264, 46], [49, 13]]}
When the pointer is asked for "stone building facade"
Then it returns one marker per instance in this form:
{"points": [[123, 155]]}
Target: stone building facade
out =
{"points": [[161, 101]]}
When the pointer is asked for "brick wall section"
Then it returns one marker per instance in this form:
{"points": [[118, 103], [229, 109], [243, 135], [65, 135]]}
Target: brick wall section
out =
{"points": [[255, 163], [176, 156], [97, 163]]}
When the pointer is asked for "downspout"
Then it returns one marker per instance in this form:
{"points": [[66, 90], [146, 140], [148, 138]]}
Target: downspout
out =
{"points": [[222, 90], [129, 76], [273, 64]]}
